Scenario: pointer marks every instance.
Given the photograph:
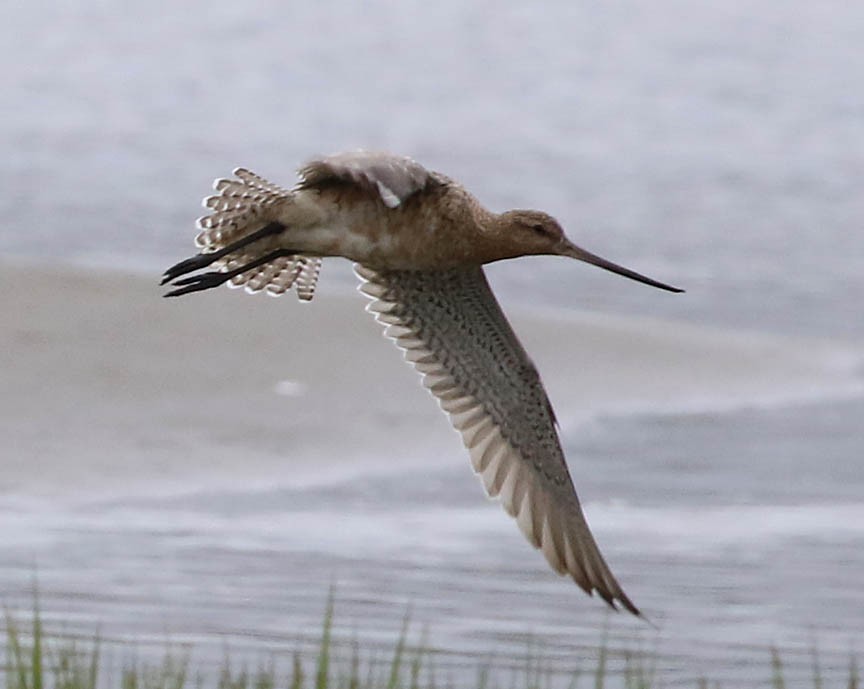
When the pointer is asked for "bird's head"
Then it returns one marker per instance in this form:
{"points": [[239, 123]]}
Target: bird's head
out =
{"points": [[538, 233]]}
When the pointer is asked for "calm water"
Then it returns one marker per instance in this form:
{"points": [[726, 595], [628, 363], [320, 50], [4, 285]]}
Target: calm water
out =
{"points": [[719, 148]]}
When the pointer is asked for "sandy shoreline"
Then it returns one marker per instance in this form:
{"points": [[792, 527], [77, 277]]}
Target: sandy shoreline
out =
{"points": [[106, 384]]}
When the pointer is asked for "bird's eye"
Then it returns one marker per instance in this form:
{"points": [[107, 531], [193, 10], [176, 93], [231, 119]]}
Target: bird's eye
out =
{"points": [[540, 228]]}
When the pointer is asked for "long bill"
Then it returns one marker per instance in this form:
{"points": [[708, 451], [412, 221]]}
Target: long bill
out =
{"points": [[576, 252]]}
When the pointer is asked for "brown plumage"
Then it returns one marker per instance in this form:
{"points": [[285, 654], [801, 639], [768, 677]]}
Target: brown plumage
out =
{"points": [[419, 241]]}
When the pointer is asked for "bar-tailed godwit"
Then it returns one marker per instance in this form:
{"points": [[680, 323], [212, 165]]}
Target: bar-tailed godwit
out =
{"points": [[419, 241]]}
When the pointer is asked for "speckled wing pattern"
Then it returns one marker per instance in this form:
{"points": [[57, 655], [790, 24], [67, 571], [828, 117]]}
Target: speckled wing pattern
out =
{"points": [[393, 178], [238, 209], [451, 328]]}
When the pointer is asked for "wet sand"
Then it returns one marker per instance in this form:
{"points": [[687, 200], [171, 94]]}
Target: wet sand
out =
{"points": [[107, 384]]}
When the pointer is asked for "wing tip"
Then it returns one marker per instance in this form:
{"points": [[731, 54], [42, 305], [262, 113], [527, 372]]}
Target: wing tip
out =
{"points": [[618, 601]]}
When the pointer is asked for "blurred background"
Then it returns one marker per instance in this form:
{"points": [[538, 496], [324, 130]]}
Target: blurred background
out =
{"points": [[207, 469]]}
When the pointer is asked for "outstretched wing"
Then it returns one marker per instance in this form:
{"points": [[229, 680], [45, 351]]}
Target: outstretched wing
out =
{"points": [[453, 331], [393, 178]]}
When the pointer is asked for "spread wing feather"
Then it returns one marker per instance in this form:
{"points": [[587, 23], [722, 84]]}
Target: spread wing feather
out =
{"points": [[454, 333]]}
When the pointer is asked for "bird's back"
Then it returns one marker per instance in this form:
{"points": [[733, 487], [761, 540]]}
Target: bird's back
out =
{"points": [[383, 176]]}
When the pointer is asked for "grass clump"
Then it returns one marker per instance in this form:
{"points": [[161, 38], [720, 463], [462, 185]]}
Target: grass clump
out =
{"points": [[34, 660]]}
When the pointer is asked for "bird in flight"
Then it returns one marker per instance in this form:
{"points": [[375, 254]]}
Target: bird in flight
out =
{"points": [[419, 241]]}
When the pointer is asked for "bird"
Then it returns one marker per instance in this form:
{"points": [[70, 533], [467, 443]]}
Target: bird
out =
{"points": [[419, 241]]}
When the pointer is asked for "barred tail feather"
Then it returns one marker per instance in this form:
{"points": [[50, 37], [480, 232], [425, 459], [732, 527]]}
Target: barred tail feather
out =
{"points": [[280, 275], [240, 207], [237, 208], [307, 277]]}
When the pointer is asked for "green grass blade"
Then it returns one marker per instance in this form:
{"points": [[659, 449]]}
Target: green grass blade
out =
{"points": [[93, 669], [602, 657], [393, 680], [296, 672], [776, 670], [17, 664], [36, 652], [417, 660], [322, 673], [354, 673]]}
